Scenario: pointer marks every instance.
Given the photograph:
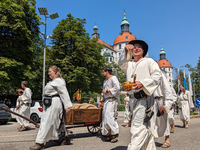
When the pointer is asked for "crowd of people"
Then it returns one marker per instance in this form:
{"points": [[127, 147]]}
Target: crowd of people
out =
{"points": [[149, 110]]}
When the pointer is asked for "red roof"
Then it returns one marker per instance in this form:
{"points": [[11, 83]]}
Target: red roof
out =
{"points": [[104, 43], [164, 63], [125, 37]]}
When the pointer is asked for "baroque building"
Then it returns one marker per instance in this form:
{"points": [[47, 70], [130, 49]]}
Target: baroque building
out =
{"points": [[166, 67]]}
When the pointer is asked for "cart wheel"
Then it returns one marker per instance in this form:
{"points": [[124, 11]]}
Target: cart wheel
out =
{"points": [[93, 129]]}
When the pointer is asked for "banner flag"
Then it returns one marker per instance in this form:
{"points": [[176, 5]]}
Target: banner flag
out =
{"points": [[184, 80], [190, 83]]}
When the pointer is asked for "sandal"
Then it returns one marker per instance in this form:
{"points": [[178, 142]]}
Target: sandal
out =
{"points": [[19, 127], [107, 139], [166, 145], [172, 130], [23, 129], [114, 138]]}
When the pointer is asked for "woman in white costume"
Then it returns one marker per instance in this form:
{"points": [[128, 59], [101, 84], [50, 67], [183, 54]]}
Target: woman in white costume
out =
{"points": [[127, 113], [20, 92], [185, 103], [52, 122], [25, 103]]}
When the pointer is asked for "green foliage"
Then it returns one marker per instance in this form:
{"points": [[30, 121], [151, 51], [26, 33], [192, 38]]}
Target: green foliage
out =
{"points": [[120, 74], [77, 55], [121, 107], [19, 27]]}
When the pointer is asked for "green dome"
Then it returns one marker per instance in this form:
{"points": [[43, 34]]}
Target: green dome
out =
{"points": [[95, 27], [108, 54], [162, 51], [124, 21]]}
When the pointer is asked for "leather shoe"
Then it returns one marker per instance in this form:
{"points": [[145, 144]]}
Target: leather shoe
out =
{"points": [[37, 147]]}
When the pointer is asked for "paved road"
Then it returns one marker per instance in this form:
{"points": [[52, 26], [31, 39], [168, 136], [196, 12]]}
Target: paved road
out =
{"points": [[182, 139]]}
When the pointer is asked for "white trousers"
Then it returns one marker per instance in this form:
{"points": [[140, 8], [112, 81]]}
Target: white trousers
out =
{"points": [[141, 138], [171, 116], [108, 121], [50, 122], [184, 112], [127, 113], [24, 111]]}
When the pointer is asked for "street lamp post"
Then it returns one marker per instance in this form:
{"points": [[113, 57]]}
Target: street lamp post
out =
{"points": [[43, 11]]}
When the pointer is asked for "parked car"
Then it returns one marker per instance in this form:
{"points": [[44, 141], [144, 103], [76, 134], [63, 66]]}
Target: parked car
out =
{"points": [[35, 111], [4, 115]]}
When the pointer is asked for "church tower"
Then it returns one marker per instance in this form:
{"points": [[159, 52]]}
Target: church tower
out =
{"points": [[166, 67], [95, 34]]}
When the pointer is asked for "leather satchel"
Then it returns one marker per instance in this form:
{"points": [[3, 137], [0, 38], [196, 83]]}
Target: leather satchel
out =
{"points": [[140, 94], [47, 101], [149, 113]]}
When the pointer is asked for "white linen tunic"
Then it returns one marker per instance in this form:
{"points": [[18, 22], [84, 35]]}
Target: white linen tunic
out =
{"points": [[51, 116], [148, 73], [171, 113], [18, 111], [127, 113], [185, 103], [25, 106], [164, 92], [110, 108]]}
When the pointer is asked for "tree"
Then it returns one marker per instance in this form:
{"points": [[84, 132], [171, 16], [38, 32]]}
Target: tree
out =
{"points": [[19, 27], [119, 72], [77, 55]]}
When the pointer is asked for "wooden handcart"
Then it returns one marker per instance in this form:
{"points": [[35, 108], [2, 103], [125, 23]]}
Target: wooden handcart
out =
{"points": [[90, 118]]}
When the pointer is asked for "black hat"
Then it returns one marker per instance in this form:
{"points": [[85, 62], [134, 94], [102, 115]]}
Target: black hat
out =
{"points": [[142, 43]]}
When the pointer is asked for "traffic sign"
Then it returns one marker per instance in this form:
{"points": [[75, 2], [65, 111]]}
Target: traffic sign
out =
{"points": [[197, 101]]}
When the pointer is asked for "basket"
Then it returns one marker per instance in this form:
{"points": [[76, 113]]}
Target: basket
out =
{"points": [[128, 86]]}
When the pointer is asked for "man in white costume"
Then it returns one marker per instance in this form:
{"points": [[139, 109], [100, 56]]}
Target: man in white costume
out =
{"points": [[25, 103], [127, 113], [110, 128], [148, 76], [163, 102], [171, 113]]}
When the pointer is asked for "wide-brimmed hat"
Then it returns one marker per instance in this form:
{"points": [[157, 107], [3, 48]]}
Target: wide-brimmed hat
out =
{"points": [[142, 43], [20, 90]]}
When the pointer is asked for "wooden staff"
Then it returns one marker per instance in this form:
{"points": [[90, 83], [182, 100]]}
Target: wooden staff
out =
{"points": [[8, 110]]}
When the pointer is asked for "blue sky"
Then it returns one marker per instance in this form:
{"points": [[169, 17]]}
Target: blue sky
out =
{"points": [[175, 24]]}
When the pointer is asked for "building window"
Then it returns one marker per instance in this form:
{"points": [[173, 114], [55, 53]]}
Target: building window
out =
{"points": [[169, 74], [163, 63], [169, 69], [170, 86], [119, 46], [110, 59], [119, 54], [169, 80], [112, 53], [126, 37]]}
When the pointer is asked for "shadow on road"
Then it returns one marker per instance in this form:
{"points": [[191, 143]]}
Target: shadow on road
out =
{"points": [[83, 135], [158, 144], [178, 126], [119, 148]]}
